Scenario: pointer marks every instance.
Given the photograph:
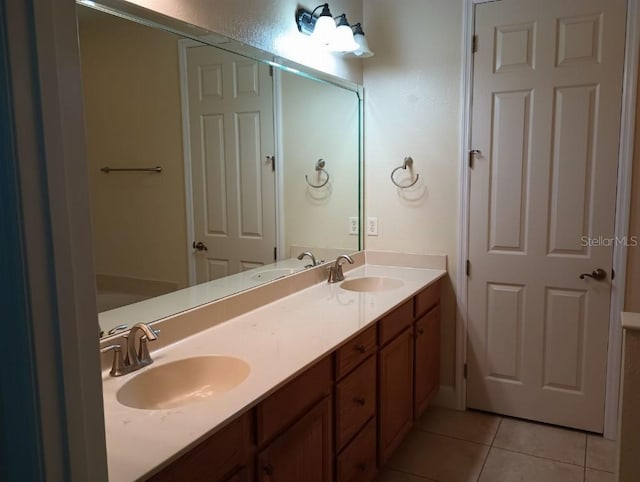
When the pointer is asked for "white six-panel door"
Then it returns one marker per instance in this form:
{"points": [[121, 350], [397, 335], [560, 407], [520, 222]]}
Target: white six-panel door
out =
{"points": [[231, 133], [546, 118]]}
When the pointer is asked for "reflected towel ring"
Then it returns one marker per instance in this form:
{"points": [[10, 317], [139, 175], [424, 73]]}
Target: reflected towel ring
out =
{"points": [[319, 168], [408, 162]]}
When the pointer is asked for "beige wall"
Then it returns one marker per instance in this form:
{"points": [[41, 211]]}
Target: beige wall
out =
{"points": [[133, 118], [319, 120], [267, 25], [632, 301], [412, 108]]}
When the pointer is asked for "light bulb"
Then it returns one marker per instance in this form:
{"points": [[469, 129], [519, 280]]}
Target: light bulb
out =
{"points": [[343, 37], [325, 27]]}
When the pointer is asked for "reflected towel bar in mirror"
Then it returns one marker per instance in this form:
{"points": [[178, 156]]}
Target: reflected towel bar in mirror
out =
{"points": [[319, 169], [408, 162], [108, 169]]}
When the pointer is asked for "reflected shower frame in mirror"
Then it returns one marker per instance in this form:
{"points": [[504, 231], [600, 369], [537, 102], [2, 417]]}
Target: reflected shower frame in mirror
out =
{"points": [[176, 302]]}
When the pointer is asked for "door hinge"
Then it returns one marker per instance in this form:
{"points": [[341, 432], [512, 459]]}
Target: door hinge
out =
{"points": [[472, 155], [613, 274], [275, 253], [271, 71], [464, 371], [272, 160], [474, 44], [467, 268]]}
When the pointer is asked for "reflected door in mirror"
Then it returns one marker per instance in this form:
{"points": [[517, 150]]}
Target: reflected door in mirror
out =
{"points": [[231, 138]]}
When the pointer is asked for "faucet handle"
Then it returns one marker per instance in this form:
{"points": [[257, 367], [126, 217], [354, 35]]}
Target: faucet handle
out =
{"points": [[144, 357], [118, 366]]}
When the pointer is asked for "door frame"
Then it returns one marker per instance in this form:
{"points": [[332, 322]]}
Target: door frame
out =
{"points": [[183, 45], [623, 206]]}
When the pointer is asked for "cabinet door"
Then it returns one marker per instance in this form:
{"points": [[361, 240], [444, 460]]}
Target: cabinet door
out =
{"points": [[427, 359], [302, 453], [395, 368], [225, 452]]}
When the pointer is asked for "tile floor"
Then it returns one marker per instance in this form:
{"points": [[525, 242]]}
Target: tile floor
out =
{"points": [[451, 446]]}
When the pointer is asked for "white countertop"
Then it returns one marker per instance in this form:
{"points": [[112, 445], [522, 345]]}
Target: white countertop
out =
{"points": [[278, 341]]}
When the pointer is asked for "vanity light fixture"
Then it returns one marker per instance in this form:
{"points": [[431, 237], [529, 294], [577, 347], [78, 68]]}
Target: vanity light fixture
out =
{"points": [[335, 33], [343, 37], [321, 28], [363, 49]]}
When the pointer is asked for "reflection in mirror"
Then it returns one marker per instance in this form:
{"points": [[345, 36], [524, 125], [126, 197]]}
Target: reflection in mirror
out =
{"points": [[238, 196]]}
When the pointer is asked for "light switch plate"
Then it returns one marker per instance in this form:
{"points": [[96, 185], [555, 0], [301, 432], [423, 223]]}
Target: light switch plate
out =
{"points": [[353, 225], [372, 226]]}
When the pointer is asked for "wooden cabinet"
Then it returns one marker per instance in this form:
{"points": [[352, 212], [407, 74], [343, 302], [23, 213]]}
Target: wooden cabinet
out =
{"points": [[297, 432], [301, 453], [427, 359], [290, 402], [229, 451], [395, 399], [357, 463], [355, 401], [245, 474], [427, 299], [355, 351], [395, 322]]}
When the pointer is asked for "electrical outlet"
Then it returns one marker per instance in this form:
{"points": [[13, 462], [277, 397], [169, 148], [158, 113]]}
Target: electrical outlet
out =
{"points": [[372, 226], [353, 225]]}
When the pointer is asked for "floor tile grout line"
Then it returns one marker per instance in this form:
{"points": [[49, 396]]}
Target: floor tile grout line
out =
{"points": [[539, 457], [424, 430], [413, 474], [484, 463], [495, 435]]}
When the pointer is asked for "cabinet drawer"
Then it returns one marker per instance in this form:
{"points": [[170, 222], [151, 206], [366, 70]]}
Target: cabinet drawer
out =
{"points": [[215, 458], [290, 402], [357, 463], [396, 321], [427, 299], [355, 401], [352, 353]]}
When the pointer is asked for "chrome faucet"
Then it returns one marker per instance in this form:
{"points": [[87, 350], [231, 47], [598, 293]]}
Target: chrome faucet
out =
{"points": [[335, 271], [310, 255], [134, 359]]}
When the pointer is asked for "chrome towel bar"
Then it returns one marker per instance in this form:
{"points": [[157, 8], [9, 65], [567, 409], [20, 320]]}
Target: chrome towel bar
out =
{"points": [[107, 169]]}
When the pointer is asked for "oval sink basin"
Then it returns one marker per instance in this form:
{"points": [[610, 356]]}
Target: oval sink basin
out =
{"points": [[183, 382], [271, 274], [371, 283]]}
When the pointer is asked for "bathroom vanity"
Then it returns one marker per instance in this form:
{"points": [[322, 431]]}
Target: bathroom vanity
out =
{"points": [[336, 378]]}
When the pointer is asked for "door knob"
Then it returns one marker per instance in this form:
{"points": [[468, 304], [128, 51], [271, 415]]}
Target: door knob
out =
{"points": [[597, 274], [200, 246]]}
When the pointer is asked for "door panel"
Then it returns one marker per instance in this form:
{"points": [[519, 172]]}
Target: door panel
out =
{"points": [[546, 118], [230, 111]]}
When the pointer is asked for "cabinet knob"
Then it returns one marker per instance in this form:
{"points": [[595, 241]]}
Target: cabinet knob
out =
{"points": [[268, 469], [362, 466], [360, 401], [361, 348], [420, 331]]}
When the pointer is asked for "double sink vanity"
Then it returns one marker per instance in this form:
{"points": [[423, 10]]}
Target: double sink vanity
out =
{"points": [[297, 379]]}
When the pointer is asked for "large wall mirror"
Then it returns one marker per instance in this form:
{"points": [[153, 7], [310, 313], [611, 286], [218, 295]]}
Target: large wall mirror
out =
{"points": [[209, 171]]}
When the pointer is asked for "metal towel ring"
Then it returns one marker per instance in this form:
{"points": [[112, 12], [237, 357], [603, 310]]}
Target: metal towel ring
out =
{"points": [[408, 162], [319, 168]]}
